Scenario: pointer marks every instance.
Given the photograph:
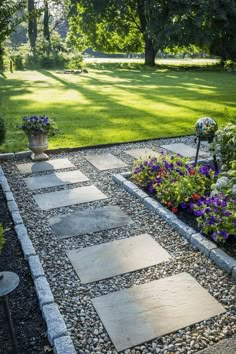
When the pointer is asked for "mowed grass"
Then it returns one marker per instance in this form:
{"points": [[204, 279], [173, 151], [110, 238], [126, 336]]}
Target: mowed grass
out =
{"points": [[114, 105]]}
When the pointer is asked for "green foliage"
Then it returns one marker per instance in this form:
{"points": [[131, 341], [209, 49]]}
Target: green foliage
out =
{"points": [[216, 216], [173, 179], [9, 17], [225, 144], [2, 130], [2, 239], [108, 26], [74, 61], [46, 55]]}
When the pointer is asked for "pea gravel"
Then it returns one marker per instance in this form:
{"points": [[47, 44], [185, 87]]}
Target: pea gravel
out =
{"points": [[74, 300]]}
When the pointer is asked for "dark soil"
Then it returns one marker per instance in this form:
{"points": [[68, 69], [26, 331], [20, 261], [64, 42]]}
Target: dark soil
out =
{"points": [[29, 326]]}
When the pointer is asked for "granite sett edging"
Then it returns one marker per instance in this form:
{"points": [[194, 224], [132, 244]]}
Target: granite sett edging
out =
{"points": [[205, 246], [56, 327]]}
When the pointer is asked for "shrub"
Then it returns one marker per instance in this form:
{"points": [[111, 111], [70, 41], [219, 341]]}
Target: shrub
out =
{"points": [[225, 144], [216, 216], [2, 130], [2, 239], [74, 61], [173, 179]]}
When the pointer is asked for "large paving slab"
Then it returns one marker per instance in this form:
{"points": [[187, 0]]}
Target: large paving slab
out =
{"points": [[142, 153], [55, 179], [50, 165], [105, 161], [68, 197], [116, 257], [142, 313], [183, 149], [87, 221]]}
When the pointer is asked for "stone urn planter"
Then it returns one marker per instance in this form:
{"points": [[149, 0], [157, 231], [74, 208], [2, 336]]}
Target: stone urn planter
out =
{"points": [[38, 144], [38, 129]]}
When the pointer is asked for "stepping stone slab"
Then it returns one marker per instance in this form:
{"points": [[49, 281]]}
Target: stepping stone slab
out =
{"points": [[49, 165], [68, 197], [116, 257], [141, 153], [142, 313], [87, 221], [183, 149], [105, 161], [55, 179]]}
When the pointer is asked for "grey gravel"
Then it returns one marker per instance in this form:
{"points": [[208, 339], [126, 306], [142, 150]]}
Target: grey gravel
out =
{"points": [[74, 300]]}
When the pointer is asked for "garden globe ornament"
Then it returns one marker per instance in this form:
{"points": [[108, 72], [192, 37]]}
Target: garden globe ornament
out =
{"points": [[205, 129]]}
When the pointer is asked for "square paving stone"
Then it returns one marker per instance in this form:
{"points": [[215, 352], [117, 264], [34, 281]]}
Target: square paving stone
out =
{"points": [[116, 257], [105, 161], [183, 149], [141, 153], [55, 179], [49, 165], [142, 313], [87, 221], [68, 197]]}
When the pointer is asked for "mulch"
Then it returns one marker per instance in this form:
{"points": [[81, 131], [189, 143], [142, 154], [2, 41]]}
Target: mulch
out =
{"points": [[29, 325]]}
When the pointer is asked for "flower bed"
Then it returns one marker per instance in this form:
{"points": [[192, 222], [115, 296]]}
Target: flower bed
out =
{"points": [[191, 192], [29, 325]]}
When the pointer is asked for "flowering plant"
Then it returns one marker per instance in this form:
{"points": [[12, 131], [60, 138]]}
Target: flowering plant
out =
{"points": [[216, 216], [33, 125], [173, 179]]}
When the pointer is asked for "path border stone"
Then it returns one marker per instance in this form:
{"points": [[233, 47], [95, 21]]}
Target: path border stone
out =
{"points": [[24, 154], [205, 246], [56, 327]]}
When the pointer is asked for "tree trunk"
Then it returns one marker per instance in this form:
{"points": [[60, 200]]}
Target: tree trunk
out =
{"points": [[32, 24], [1, 57], [150, 52], [46, 32]]}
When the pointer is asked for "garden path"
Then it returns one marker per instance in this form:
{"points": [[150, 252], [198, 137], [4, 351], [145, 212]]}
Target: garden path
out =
{"points": [[86, 204]]}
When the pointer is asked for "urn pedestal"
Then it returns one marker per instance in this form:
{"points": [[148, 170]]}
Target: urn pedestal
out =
{"points": [[38, 143]]}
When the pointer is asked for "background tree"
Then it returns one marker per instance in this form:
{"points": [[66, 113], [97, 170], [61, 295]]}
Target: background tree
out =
{"points": [[32, 24], [9, 19]]}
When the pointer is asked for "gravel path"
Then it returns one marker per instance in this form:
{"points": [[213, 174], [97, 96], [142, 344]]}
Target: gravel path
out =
{"points": [[73, 299]]}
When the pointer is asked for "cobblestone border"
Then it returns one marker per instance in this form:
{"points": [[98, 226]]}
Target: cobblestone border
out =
{"points": [[207, 247], [56, 328]]}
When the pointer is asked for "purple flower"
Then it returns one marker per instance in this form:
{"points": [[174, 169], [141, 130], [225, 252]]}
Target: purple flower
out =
{"points": [[224, 234], [158, 180], [198, 213], [183, 205], [150, 188]]}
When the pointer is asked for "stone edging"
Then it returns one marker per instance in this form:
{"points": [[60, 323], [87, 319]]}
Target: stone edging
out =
{"points": [[56, 327], [24, 154], [207, 247]]}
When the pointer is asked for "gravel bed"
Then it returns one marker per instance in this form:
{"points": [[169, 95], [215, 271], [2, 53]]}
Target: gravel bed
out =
{"points": [[29, 326], [74, 299]]}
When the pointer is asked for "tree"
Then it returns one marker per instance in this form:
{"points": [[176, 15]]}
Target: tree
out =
{"points": [[9, 19], [222, 26], [32, 24], [113, 26]]}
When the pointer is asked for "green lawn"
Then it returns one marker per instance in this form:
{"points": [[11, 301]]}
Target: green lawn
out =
{"points": [[115, 105]]}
